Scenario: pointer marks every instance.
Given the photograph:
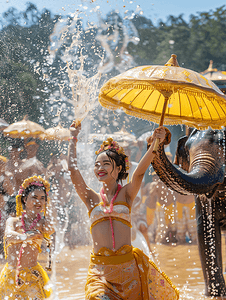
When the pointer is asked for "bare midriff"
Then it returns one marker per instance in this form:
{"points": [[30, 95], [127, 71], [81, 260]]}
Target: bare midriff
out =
{"points": [[102, 235]]}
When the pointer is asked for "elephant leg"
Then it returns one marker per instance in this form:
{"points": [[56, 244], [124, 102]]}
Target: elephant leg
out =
{"points": [[209, 241]]}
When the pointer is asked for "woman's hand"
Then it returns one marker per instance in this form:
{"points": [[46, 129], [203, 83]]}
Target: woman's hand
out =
{"points": [[75, 129], [159, 133]]}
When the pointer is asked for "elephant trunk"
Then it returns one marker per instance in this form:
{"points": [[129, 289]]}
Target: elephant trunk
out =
{"points": [[205, 174]]}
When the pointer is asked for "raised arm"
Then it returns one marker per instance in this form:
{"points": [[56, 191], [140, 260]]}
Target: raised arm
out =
{"points": [[84, 192], [133, 187]]}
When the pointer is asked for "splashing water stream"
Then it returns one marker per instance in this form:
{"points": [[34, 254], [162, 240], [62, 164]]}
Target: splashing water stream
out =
{"points": [[84, 88]]}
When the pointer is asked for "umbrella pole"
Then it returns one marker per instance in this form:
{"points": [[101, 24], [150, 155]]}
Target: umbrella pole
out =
{"points": [[161, 121]]}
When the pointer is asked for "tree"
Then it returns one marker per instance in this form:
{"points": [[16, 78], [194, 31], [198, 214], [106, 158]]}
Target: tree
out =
{"points": [[196, 42], [208, 39], [145, 52], [22, 90]]}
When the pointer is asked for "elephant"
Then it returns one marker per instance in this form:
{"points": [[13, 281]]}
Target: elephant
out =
{"points": [[199, 169]]}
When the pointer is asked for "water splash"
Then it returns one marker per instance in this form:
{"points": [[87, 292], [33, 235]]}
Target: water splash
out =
{"points": [[60, 229], [114, 36], [79, 89], [84, 91]]}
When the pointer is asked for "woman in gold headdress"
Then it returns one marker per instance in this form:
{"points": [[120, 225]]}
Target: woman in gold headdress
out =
{"points": [[23, 277], [117, 270]]}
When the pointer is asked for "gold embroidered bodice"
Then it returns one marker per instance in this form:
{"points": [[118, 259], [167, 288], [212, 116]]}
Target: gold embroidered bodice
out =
{"points": [[121, 212]]}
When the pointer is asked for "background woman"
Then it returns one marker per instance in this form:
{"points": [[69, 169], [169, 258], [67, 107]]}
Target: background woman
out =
{"points": [[22, 277], [117, 270]]}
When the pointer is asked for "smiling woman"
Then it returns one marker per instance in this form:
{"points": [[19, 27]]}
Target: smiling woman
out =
{"points": [[126, 272], [111, 162], [23, 277]]}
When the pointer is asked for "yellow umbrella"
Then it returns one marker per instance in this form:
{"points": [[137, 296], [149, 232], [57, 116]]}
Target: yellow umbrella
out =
{"points": [[56, 133], [213, 74], [218, 77], [166, 93], [24, 128], [121, 135], [124, 135]]}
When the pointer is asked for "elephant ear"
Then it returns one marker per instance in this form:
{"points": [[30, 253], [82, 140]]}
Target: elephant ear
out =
{"points": [[182, 155]]}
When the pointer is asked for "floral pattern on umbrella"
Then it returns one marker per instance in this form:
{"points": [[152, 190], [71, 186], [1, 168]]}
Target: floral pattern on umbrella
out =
{"points": [[166, 93]]}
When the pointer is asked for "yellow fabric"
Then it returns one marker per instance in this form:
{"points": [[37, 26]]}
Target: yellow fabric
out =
{"points": [[128, 178], [126, 274], [99, 216], [150, 214], [32, 283], [144, 199], [106, 256], [19, 207], [180, 207]]}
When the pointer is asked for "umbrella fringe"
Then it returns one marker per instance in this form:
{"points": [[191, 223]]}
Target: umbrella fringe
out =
{"points": [[176, 121]]}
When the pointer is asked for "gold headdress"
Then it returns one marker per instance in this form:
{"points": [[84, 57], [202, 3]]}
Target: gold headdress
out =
{"points": [[35, 180], [111, 144]]}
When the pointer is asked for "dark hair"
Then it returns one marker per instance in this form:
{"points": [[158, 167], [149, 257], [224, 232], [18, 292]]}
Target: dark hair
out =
{"points": [[119, 160], [30, 189]]}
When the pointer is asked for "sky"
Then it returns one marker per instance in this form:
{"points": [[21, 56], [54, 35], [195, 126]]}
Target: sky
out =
{"points": [[153, 9]]}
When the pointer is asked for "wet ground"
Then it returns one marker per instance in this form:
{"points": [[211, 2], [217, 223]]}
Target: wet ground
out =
{"points": [[181, 263]]}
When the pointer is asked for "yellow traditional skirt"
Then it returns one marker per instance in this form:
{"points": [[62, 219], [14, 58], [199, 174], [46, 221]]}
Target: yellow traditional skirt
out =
{"points": [[32, 282], [126, 274]]}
